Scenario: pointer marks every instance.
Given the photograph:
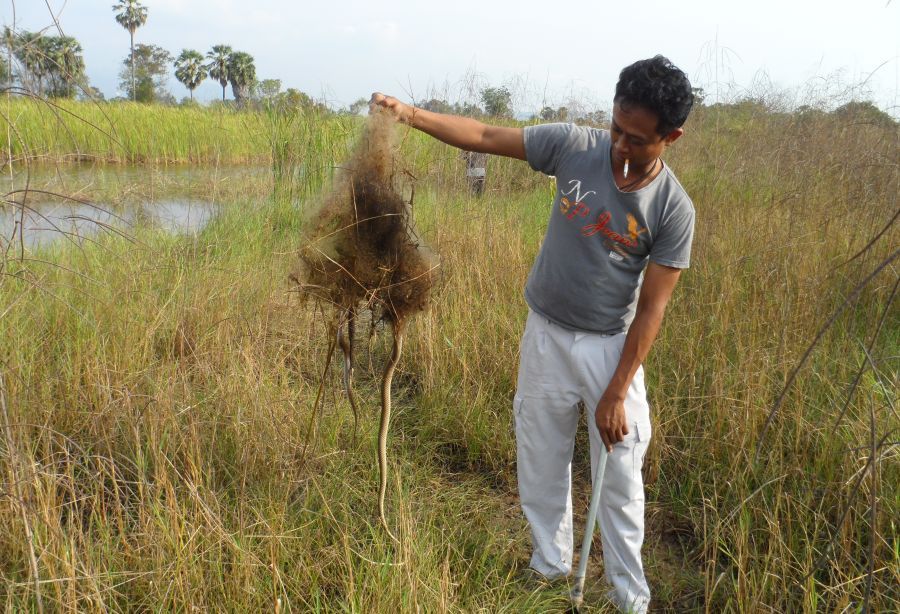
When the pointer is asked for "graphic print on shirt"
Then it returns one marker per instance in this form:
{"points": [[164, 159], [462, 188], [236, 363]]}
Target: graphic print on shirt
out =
{"points": [[621, 245], [576, 206], [634, 229]]}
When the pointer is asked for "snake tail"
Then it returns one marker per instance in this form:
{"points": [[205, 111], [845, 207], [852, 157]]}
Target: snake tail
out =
{"points": [[385, 421]]}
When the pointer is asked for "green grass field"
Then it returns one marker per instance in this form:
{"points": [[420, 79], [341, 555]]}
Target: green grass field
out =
{"points": [[158, 391]]}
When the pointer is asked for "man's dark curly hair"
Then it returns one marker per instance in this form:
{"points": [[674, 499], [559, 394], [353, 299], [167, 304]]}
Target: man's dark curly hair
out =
{"points": [[658, 86]]}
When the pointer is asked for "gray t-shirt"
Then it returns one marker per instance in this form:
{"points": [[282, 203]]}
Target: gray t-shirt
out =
{"points": [[588, 273]]}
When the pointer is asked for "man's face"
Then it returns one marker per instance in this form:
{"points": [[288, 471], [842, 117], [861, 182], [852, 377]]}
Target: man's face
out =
{"points": [[634, 135]]}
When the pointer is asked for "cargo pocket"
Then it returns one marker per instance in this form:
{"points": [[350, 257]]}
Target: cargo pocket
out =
{"points": [[517, 411], [641, 442], [641, 431]]}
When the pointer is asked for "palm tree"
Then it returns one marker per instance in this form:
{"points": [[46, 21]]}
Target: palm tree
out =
{"points": [[131, 15], [67, 63], [29, 50], [218, 65], [241, 73], [189, 69]]}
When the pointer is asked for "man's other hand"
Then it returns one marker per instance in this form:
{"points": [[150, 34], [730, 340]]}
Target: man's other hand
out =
{"points": [[610, 418]]}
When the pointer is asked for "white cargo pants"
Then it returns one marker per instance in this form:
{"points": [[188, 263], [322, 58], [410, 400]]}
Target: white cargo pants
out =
{"points": [[558, 368]]}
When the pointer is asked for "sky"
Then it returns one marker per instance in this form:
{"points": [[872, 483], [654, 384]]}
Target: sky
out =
{"points": [[565, 52]]}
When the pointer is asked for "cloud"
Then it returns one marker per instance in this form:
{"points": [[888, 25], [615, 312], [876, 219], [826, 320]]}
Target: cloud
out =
{"points": [[217, 12], [381, 31], [386, 31]]}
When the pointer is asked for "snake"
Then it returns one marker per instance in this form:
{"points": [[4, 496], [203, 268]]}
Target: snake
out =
{"points": [[346, 344], [386, 419]]}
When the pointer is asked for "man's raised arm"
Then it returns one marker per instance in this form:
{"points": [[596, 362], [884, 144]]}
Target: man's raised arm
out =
{"points": [[462, 132]]}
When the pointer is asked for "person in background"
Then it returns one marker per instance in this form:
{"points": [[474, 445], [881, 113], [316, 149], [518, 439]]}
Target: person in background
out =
{"points": [[476, 171]]}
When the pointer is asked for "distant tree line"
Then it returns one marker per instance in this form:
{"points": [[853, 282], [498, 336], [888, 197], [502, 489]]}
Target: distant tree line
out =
{"points": [[496, 103]]}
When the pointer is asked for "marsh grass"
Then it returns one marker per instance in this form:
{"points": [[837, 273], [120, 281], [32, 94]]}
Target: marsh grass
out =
{"points": [[158, 401], [126, 132]]}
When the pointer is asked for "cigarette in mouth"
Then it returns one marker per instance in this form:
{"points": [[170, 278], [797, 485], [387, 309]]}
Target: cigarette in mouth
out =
{"points": [[625, 170]]}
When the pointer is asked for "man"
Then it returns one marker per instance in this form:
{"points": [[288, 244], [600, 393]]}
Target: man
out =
{"points": [[619, 235], [476, 171]]}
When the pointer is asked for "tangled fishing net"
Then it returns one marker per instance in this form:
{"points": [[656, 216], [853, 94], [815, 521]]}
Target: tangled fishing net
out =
{"points": [[360, 249]]}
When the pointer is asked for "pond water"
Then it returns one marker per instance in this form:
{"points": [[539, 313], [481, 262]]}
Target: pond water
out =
{"points": [[46, 221], [79, 202]]}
